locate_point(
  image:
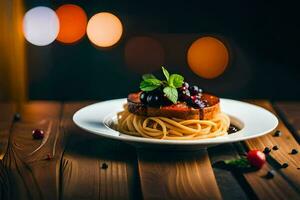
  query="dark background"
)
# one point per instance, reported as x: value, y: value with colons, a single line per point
x: 263, y: 39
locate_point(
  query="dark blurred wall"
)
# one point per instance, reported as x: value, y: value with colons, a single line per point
x: 263, y: 39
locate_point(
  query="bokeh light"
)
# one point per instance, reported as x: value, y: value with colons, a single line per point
x: 104, y: 29
x: 72, y: 21
x: 144, y: 54
x: 40, y: 26
x: 208, y: 57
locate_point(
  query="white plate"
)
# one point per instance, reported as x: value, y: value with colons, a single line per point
x: 254, y: 121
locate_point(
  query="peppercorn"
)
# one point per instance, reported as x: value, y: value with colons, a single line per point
x: 275, y: 147
x: 284, y: 165
x: 104, y: 166
x: 270, y: 174
x: 17, y: 117
x: 267, y: 150
x: 277, y: 133
x: 294, y: 151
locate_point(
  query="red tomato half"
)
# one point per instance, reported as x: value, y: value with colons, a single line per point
x: 256, y: 158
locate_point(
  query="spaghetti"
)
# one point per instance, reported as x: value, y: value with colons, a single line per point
x: 172, y: 128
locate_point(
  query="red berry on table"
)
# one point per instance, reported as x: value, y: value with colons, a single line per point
x: 48, y: 157
x: 38, y: 134
x: 256, y: 158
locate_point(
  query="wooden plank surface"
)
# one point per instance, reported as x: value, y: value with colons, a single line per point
x: 177, y: 175
x: 286, y: 183
x: 264, y: 188
x: 290, y: 112
x: 255, y: 184
x: 5, y: 186
x: 30, y: 172
x: 7, y: 112
x: 232, y: 185
x: 94, y: 167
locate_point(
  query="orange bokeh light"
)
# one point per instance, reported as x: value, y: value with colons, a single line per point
x: 73, y: 21
x: 104, y: 29
x: 208, y: 57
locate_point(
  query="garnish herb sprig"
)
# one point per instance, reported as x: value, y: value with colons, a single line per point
x: 173, y: 81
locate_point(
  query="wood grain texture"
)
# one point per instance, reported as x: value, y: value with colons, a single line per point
x: 275, y: 188
x: 177, y: 175
x: 255, y: 184
x: 26, y: 172
x: 278, y: 187
x: 7, y: 111
x: 5, y: 187
x: 290, y: 112
x: 232, y: 185
x: 30, y: 172
x: 82, y: 174
x: 264, y: 188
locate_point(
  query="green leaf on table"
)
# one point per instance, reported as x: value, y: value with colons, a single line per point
x: 240, y: 162
x: 150, y: 84
x: 171, y: 94
x: 166, y: 73
x: 176, y: 80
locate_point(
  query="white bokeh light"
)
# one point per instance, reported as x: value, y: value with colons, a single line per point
x: 40, y: 26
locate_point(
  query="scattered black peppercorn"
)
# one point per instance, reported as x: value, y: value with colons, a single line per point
x: 17, y: 117
x: 275, y: 147
x: 277, y: 133
x: 284, y: 165
x: 267, y: 150
x: 270, y: 174
x: 104, y: 166
x: 294, y: 151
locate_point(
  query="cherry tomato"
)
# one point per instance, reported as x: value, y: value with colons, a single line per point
x: 38, y: 134
x: 256, y: 158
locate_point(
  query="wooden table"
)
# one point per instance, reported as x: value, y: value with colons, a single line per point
x: 72, y: 164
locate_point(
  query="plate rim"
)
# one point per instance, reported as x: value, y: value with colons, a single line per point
x: 203, y: 142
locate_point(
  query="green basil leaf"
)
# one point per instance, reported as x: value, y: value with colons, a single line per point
x: 166, y: 73
x: 153, y: 81
x: 171, y: 94
x: 240, y: 162
x: 150, y: 84
x: 176, y: 80
x: 148, y: 76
